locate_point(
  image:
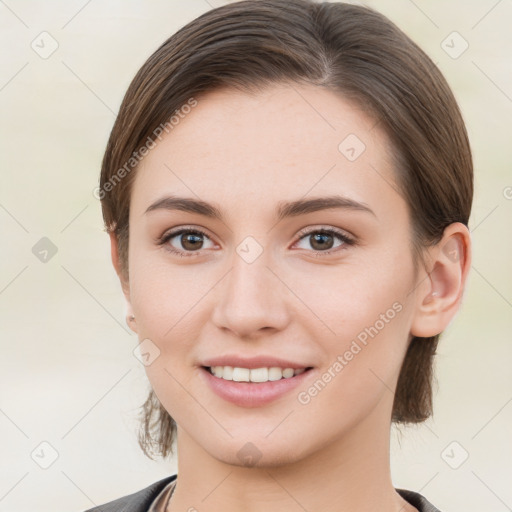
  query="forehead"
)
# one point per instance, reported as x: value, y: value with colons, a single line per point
x: 284, y: 142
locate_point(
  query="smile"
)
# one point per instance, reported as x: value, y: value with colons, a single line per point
x: 253, y: 387
x: 239, y: 374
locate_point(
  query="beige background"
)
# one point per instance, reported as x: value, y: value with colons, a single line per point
x: 67, y: 373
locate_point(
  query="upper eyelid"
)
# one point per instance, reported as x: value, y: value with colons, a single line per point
x: 320, y: 227
x: 171, y: 233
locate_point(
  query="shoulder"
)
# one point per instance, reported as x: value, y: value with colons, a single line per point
x: 136, y: 502
x: 417, y: 500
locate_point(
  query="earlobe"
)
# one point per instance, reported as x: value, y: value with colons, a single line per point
x: 440, y: 293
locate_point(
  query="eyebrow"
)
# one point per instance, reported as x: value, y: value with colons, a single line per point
x: 284, y: 210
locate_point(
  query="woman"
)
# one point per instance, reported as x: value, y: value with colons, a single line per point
x: 287, y: 189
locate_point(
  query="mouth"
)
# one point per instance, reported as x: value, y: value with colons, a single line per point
x: 254, y: 387
x: 254, y: 375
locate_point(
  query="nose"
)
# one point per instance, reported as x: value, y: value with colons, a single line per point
x: 252, y: 299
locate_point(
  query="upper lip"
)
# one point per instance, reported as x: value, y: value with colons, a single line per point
x: 253, y: 362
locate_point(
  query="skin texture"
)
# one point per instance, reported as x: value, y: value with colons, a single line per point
x: 246, y: 153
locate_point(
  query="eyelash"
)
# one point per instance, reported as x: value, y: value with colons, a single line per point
x: 347, y: 241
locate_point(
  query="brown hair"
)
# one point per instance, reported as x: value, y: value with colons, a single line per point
x: 346, y: 48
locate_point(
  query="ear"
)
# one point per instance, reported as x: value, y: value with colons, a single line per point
x: 124, y: 283
x: 439, y: 293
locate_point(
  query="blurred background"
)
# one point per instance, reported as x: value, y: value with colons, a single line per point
x: 70, y: 386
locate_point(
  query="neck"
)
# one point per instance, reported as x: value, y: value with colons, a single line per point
x: 351, y: 473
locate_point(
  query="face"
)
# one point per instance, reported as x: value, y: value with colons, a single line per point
x: 326, y: 289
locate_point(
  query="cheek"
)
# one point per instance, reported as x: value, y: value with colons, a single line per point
x: 166, y: 297
x: 368, y: 312
x: 350, y: 296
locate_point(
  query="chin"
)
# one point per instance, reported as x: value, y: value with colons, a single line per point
x: 257, y: 454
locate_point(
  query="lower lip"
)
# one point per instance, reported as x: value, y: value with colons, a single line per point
x: 252, y: 394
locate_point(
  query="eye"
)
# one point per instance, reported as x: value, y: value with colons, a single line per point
x: 322, y: 240
x: 190, y: 240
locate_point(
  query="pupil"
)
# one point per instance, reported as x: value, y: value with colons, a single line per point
x: 319, y: 237
x: 194, y: 240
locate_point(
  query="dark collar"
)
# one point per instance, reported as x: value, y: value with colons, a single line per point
x: 141, y: 500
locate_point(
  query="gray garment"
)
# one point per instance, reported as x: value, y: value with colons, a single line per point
x: 154, y: 498
x: 139, y: 501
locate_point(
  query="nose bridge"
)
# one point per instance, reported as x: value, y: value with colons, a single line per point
x: 251, y: 297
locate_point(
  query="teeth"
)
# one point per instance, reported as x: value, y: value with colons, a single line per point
x: 254, y: 374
